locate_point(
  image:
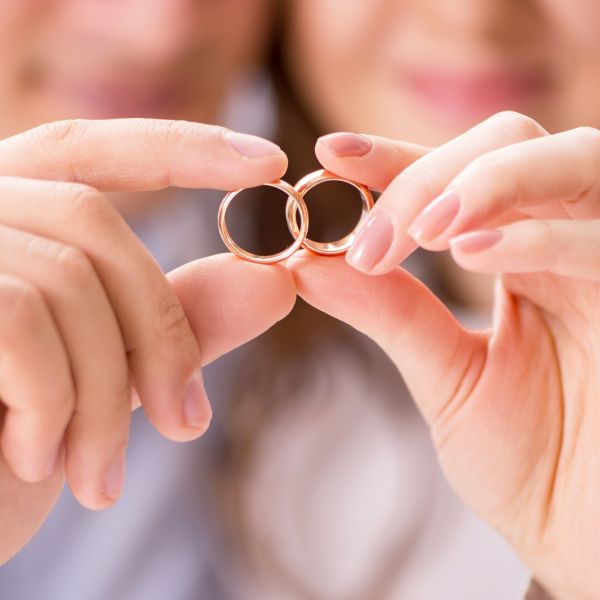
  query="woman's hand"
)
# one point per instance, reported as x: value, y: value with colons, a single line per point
x: 89, y: 325
x: 514, y: 412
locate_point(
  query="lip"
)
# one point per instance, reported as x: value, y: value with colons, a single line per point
x: 114, y: 98
x: 466, y: 96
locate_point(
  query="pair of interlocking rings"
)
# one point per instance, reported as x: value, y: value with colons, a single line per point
x: 296, y: 208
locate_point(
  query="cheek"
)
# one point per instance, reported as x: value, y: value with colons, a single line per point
x: 330, y: 38
x: 337, y: 22
x: 16, y: 22
x: 19, y: 32
x: 576, y: 20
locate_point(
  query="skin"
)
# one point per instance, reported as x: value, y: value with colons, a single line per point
x: 83, y: 305
x: 92, y: 289
x: 514, y: 411
x: 539, y: 57
x: 65, y: 58
x: 171, y: 60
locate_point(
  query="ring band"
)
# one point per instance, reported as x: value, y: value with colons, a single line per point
x: 298, y: 206
x: 307, y: 183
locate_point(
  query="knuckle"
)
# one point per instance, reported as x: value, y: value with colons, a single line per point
x: 178, y: 130
x: 522, y: 126
x: 541, y: 242
x: 61, y: 399
x: 486, y: 167
x: 175, y: 131
x: 59, y: 134
x: 23, y: 314
x: 74, y: 267
x: 163, y: 135
x: 84, y: 208
x: 23, y: 307
x: 59, y: 190
x: 540, y: 235
x: 112, y: 412
x: 171, y: 320
x: 89, y: 206
x: 67, y: 265
x: 418, y: 177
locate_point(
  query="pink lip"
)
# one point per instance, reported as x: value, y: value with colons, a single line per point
x: 117, y: 98
x: 468, y: 96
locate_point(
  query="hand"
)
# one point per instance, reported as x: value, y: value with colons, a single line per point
x: 515, y: 411
x: 89, y: 323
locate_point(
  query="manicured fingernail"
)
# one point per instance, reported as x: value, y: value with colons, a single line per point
x: 196, y: 407
x: 53, y: 462
x: 476, y: 241
x: 251, y: 146
x: 113, y: 483
x: 435, y: 218
x: 347, y: 144
x: 372, y: 243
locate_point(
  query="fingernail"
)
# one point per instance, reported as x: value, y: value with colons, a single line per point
x: 371, y: 243
x: 113, y: 483
x: 347, y: 144
x: 53, y: 462
x: 251, y: 146
x: 436, y: 217
x: 196, y: 407
x: 476, y: 241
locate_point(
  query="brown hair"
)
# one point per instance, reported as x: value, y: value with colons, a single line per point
x: 288, y: 353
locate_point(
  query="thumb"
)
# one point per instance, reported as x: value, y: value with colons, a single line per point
x: 439, y: 359
x: 229, y: 301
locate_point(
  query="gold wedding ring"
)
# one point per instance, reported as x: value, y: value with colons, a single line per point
x: 299, y: 207
x: 296, y: 210
x: 304, y: 186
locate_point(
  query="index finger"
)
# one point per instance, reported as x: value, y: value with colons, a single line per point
x: 383, y: 242
x: 141, y: 155
x: 374, y: 161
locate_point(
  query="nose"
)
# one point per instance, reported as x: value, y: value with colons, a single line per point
x: 499, y: 18
x: 469, y: 15
x: 149, y: 31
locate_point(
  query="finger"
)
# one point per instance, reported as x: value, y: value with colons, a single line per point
x: 372, y: 160
x: 383, y: 242
x: 563, y: 247
x: 229, y: 301
x: 98, y: 430
x: 141, y: 154
x: 35, y: 381
x: 162, y: 352
x: 517, y: 177
x: 437, y: 357
x: 24, y: 506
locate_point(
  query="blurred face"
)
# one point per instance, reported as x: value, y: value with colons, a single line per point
x: 425, y: 70
x: 116, y: 58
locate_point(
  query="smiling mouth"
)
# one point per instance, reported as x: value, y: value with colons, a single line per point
x: 476, y: 95
x: 119, y: 98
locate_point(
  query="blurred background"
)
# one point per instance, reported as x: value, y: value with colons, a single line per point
x: 318, y: 479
